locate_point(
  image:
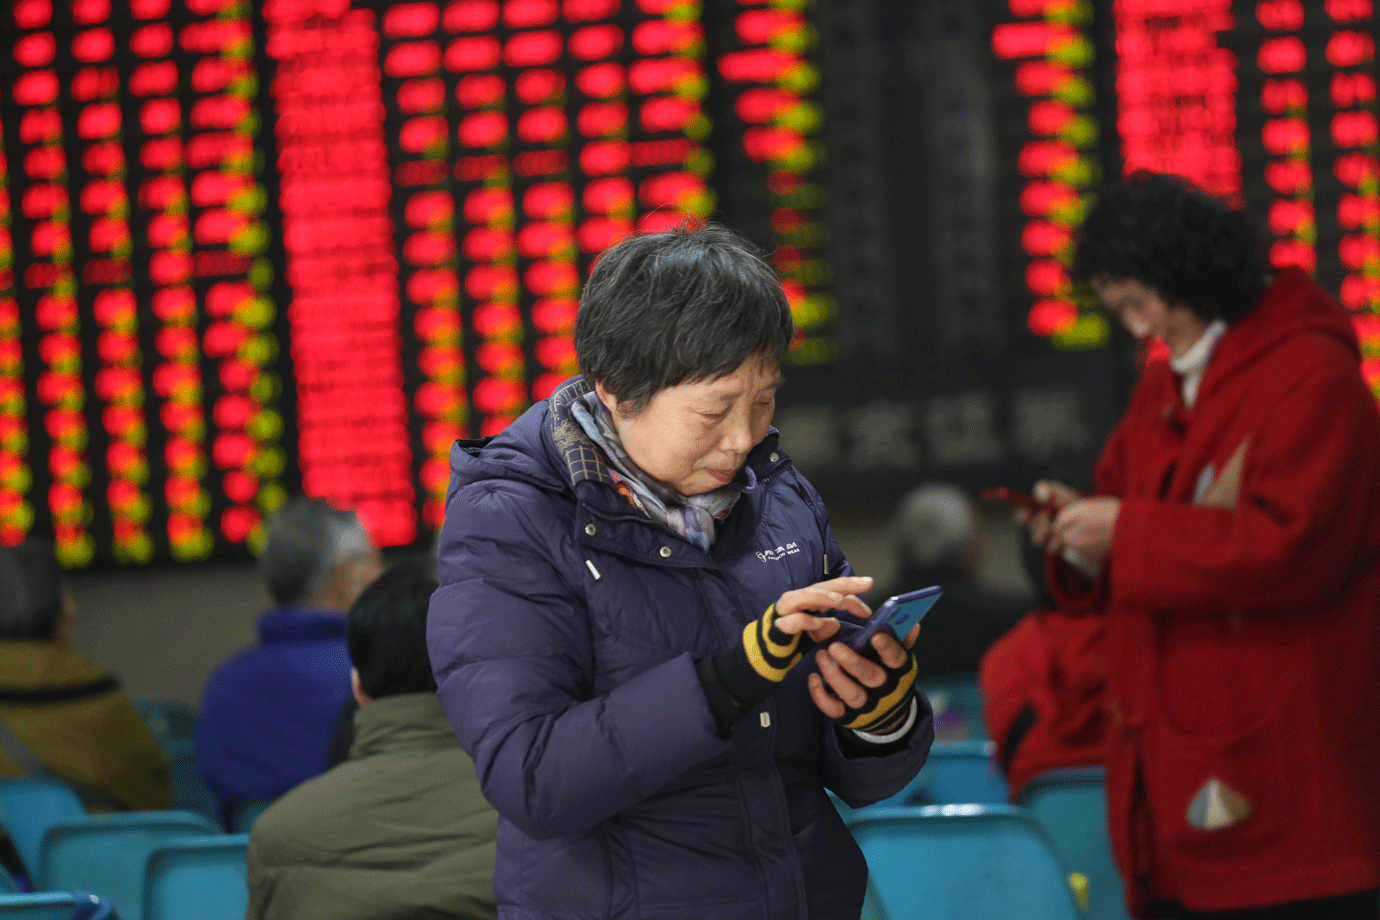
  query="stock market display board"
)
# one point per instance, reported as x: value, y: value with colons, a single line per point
x: 254, y: 246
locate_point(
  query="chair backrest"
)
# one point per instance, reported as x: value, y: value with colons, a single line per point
x: 197, y: 879
x: 7, y: 882
x: 957, y: 704
x: 963, y: 862
x: 246, y: 811
x: 1072, y: 806
x: 190, y: 792
x: 168, y: 718
x: 958, y: 773
x: 29, y: 805
x: 53, y: 905
x: 107, y: 854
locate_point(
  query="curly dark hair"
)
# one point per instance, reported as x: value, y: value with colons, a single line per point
x: 1175, y: 238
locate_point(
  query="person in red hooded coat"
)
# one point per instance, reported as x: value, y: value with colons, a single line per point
x: 1233, y: 545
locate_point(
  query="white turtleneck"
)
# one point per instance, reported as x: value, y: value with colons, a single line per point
x: 1191, y: 364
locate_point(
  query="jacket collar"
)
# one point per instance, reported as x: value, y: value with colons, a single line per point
x: 300, y: 624
x: 407, y: 720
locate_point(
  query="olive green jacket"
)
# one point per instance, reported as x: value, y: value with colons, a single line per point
x: 72, y: 715
x: 399, y: 830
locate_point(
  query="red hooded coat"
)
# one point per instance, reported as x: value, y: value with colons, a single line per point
x: 1243, y: 614
x: 1042, y: 694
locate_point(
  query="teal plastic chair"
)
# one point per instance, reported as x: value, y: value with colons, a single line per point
x: 197, y: 879
x: 1072, y: 806
x: 957, y: 705
x: 247, y: 811
x: 7, y: 882
x: 958, y: 773
x: 964, y: 862
x: 52, y: 905
x: 29, y: 805
x: 190, y: 792
x: 168, y: 719
x: 108, y: 854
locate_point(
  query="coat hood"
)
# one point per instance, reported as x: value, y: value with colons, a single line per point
x: 1292, y: 305
x: 519, y: 452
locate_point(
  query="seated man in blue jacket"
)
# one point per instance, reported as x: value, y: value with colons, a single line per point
x: 267, y: 715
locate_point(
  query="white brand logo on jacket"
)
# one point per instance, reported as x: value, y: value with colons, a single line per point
x: 781, y: 552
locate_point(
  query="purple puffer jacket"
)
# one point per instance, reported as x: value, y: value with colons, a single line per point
x: 563, y: 638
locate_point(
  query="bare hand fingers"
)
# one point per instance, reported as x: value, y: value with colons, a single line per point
x: 854, y: 605
x: 843, y: 686
x: 824, y: 632
x: 793, y: 623
x: 890, y: 651
x: 846, y: 584
x: 825, y: 702
x: 834, y: 594
x: 909, y: 640
x: 868, y: 673
x: 1056, y: 492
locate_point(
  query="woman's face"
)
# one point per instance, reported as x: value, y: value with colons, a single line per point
x: 694, y: 437
x: 1145, y: 314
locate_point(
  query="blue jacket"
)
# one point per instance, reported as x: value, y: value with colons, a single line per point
x: 267, y: 715
x: 563, y: 639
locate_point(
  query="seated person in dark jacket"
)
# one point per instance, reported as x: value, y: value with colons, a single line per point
x: 68, y: 712
x: 939, y: 541
x: 268, y: 713
x: 400, y: 829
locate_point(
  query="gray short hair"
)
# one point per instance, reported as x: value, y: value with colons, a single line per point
x: 307, y: 538
x: 30, y: 591
x: 936, y: 524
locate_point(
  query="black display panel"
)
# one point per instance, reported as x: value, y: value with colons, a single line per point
x: 248, y: 248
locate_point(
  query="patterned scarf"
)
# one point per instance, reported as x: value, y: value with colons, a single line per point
x: 693, y: 517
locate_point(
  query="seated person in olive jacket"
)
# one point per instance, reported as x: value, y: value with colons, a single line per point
x: 400, y: 829
x: 68, y: 713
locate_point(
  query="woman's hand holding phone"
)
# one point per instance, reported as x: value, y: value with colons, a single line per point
x: 843, y: 673
x: 846, y: 675
x: 792, y: 609
x: 1064, y: 522
x: 1054, y: 497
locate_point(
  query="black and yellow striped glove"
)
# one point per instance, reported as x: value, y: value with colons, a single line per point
x: 738, y: 680
x: 885, y: 703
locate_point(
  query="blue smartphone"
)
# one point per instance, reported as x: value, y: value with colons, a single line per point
x: 898, y: 614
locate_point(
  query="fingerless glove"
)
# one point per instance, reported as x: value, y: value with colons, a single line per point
x: 736, y: 681
x: 886, y: 702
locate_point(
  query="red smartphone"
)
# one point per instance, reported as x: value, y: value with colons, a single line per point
x: 1028, y: 502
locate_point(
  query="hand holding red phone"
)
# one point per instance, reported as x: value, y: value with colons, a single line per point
x: 1050, y: 498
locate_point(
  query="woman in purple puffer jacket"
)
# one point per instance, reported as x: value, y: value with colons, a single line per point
x: 634, y: 635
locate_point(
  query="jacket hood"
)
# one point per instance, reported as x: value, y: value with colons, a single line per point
x: 518, y: 452
x: 1292, y: 305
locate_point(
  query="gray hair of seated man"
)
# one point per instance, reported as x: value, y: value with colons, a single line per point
x: 937, y: 526
x: 30, y: 591
x: 307, y: 539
